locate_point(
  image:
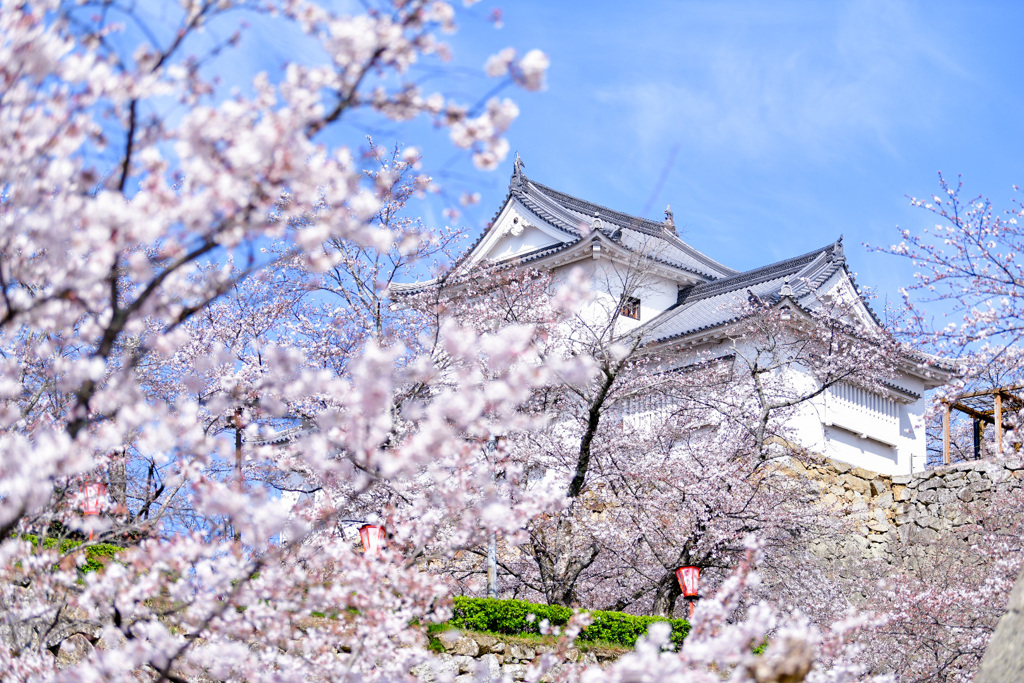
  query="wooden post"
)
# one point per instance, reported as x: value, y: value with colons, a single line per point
x: 999, y: 425
x: 945, y: 434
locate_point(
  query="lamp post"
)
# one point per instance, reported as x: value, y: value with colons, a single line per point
x: 492, y: 566
x: 689, y: 578
x: 372, y: 536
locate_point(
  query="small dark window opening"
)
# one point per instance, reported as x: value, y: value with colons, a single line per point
x: 630, y: 307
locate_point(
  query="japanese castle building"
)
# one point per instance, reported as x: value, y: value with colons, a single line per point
x: 690, y: 301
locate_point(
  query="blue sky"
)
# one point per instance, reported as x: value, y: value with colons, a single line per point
x: 771, y: 127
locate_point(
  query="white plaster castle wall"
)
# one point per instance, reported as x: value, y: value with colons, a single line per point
x: 529, y: 239
x: 860, y: 450
x: 880, y: 434
x: 608, y: 280
x: 806, y: 425
x: 912, y: 436
x: 860, y: 428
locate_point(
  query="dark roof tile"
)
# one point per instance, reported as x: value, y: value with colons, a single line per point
x: 720, y: 302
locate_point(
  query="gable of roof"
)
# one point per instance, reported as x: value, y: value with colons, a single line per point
x: 579, y: 217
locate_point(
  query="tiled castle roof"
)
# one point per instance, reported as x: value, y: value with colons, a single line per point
x: 720, y: 302
x: 721, y: 293
x: 577, y: 216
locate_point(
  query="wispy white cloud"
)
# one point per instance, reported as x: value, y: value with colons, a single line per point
x: 804, y: 78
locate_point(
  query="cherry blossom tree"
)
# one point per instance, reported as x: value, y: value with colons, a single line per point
x: 965, y: 303
x: 939, y: 598
x: 706, y: 477
x: 726, y: 635
x: 969, y: 262
x: 583, y: 433
x: 140, y: 199
x: 664, y: 455
x: 159, y: 233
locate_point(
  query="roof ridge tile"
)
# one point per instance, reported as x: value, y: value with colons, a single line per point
x: 758, y: 275
x: 649, y: 226
x: 636, y: 223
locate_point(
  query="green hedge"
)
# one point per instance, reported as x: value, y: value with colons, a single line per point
x: 509, y: 617
x: 93, y: 553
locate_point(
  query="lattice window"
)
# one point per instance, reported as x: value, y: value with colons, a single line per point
x: 630, y: 307
x: 862, y: 412
x: 645, y: 412
x: 864, y: 400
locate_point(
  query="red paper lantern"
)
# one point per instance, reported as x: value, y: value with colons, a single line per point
x: 372, y: 537
x: 688, y: 578
x: 95, y: 493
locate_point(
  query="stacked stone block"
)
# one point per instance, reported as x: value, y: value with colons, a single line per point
x: 468, y: 656
x: 893, y: 514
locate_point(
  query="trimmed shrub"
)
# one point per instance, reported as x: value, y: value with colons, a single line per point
x: 94, y: 554
x: 510, y: 617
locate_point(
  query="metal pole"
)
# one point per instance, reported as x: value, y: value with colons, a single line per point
x: 238, y: 461
x: 492, y: 566
x: 238, y: 447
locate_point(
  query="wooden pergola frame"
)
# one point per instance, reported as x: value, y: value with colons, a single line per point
x: 976, y: 405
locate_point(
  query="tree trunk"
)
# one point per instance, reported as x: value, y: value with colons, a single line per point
x: 594, y: 412
x: 560, y: 561
x: 117, y: 478
x: 665, y: 595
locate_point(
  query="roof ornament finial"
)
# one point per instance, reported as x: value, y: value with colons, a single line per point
x: 597, y: 223
x: 670, y: 220
x: 518, y: 177
x: 837, y: 251
x: 786, y: 289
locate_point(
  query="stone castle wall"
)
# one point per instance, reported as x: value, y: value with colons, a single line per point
x: 893, y: 514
